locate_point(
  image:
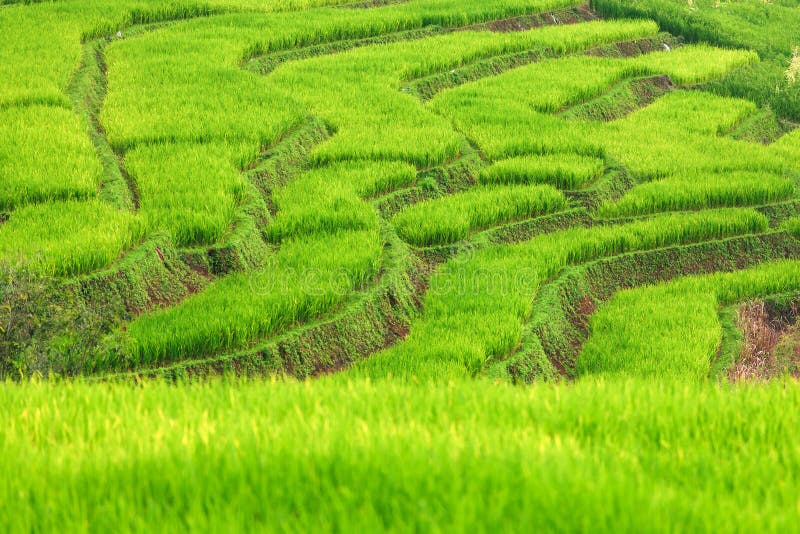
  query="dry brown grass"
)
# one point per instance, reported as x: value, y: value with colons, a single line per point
x: 771, y: 345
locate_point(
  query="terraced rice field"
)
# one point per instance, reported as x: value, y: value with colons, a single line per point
x: 422, y: 265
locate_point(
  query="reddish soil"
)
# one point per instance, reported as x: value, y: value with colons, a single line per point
x: 584, y: 311
x: 373, y: 3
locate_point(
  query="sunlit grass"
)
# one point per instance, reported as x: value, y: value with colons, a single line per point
x: 676, y: 332
x: 45, y: 155
x: 702, y: 191
x: 68, y: 238
x: 476, y: 305
x: 626, y: 456
x: 567, y: 171
x: 450, y: 219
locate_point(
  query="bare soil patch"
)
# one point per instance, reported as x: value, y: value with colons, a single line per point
x: 771, y: 343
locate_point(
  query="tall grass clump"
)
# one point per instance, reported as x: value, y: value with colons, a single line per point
x: 764, y: 83
x: 68, y: 238
x: 375, y: 120
x: 216, y: 99
x: 695, y: 64
x: 53, y: 33
x: 452, y: 218
x: 153, y: 97
x: 565, y: 171
x: 45, y: 155
x: 788, y: 146
x: 330, y: 199
x: 702, y: 191
x: 686, y: 131
x: 39, y: 71
x: 190, y: 190
x: 494, y: 112
x: 769, y: 28
x: 792, y: 226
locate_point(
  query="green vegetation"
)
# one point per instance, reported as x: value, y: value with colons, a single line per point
x: 44, y: 156
x: 192, y: 191
x: 768, y: 27
x: 625, y: 455
x: 309, y: 276
x: 701, y: 191
x: 493, y: 111
x: 68, y: 238
x: 476, y: 306
x: 793, y: 226
x: 53, y: 33
x: 451, y: 219
x: 566, y: 171
x: 677, y: 331
x: 375, y: 120
x: 186, y: 104
x: 316, y: 203
x: 434, y: 199
x: 329, y: 199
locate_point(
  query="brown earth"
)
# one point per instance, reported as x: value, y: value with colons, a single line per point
x: 771, y: 345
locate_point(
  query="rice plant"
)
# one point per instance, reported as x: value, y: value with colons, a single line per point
x: 45, y: 156
x: 186, y: 331
x: 702, y: 191
x: 330, y: 199
x: 788, y: 146
x: 450, y: 219
x: 406, y: 456
x: 306, y: 278
x: 420, y: 443
x: 565, y: 171
x: 477, y: 305
x: 685, y: 131
x: 209, y: 102
x: 39, y: 72
x: 677, y: 331
x: 215, y: 99
x: 68, y: 238
x: 375, y: 120
x: 191, y: 191
x: 694, y: 64
x: 770, y: 28
x: 512, y: 114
